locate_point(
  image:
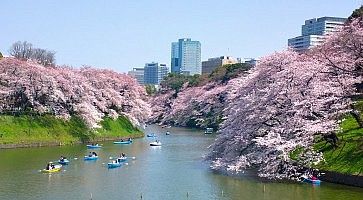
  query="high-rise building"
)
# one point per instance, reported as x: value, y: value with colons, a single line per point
x: 175, y: 64
x: 186, y: 57
x: 138, y: 73
x: 212, y: 63
x: 314, y: 31
x: 154, y: 73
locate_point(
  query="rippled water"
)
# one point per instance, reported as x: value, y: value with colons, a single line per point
x: 173, y: 171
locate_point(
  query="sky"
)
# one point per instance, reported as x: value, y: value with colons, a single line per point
x: 122, y: 34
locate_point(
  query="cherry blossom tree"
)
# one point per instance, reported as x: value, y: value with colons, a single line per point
x: 64, y: 91
x: 285, y: 102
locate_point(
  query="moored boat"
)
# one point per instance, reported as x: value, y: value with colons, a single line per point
x: 208, y: 131
x: 309, y: 180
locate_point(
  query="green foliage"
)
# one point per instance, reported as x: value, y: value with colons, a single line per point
x: 1, y: 55
x: 227, y: 72
x: 347, y: 158
x: 356, y: 13
x: 150, y: 89
x: 294, y: 155
x: 359, y: 106
x: 191, y: 123
x: 176, y: 81
x: 223, y: 73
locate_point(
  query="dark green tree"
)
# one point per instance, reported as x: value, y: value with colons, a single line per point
x: 150, y: 89
x: 357, y: 13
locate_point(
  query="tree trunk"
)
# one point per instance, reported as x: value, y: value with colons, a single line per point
x: 357, y: 117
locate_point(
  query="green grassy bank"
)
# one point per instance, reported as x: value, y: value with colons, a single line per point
x: 347, y: 157
x: 47, y: 129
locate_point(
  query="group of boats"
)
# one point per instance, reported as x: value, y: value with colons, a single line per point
x: 117, y: 162
x: 157, y: 142
x: 51, y: 167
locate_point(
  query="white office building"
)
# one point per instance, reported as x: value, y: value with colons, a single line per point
x: 314, y: 32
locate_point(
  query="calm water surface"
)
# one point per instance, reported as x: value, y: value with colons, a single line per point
x: 173, y: 171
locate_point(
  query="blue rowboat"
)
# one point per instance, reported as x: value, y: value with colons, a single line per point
x: 63, y: 162
x: 93, y: 146
x: 123, y: 142
x: 90, y: 157
x: 151, y: 135
x: 315, y: 182
x: 114, y: 165
x: 122, y: 159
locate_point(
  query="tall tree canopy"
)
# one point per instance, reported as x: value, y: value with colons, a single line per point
x: 285, y: 102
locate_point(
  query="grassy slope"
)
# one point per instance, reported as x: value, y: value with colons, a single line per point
x: 48, y: 129
x: 120, y: 127
x: 347, y: 158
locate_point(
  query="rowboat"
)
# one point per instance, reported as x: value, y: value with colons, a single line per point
x: 208, y: 131
x: 63, y: 162
x: 93, y: 146
x: 151, y: 135
x: 113, y: 164
x: 155, y: 144
x: 121, y: 159
x: 123, y: 142
x: 309, y: 180
x: 56, y: 168
x: 90, y: 157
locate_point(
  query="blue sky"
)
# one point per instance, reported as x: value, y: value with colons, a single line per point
x: 127, y: 33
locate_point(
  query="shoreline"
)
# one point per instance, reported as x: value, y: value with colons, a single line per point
x: 344, y: 179
x: 53, y: 144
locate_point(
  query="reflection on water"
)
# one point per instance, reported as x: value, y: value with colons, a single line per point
x: 172, y: 171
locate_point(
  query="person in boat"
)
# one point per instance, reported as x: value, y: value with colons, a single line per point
x: 50, y: 166
x: 122, y: 155
x: 62, y: 158
x: 94, y: 154
x: 90, y: 154
x: 122, y: 140
x: 314, y: 175
x: 129, y: 139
